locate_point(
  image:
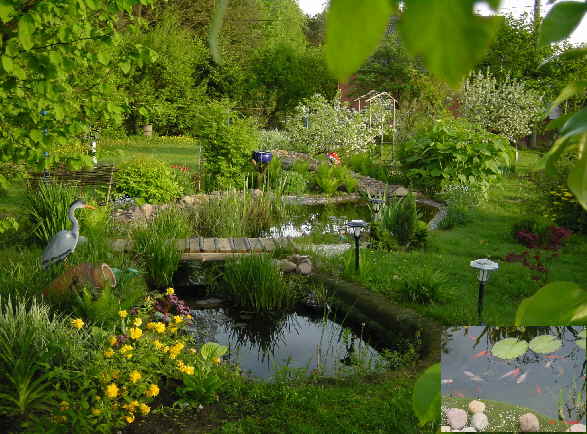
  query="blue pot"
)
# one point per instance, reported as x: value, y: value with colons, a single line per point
x: 262, y: 157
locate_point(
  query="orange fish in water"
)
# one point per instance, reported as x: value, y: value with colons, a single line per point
x: 480, y: 354
x: 538, y: 389
x: 553, y: 357
x: 571, y: 422
x: 458, y: 395
x: 552, y: 422
x: 472, y: 337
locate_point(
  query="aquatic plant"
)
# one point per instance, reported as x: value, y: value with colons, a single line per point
x: 256, y: 282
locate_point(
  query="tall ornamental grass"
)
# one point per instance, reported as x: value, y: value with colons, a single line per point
x: 256, y: 283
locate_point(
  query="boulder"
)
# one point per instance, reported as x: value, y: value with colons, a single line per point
x: 457, y: 418
x: 287, y: 266
x: 529, y: 423
x: 578, y: 427
x: 298, y: 259
x: 75, y: 278
x: 147, y: 210
x: 304, y: 268
x: 479, y: 421
x: 476, y: 407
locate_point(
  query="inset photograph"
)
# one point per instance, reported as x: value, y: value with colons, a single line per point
x: 513, y: 379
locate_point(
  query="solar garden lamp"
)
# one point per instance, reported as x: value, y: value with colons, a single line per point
x: 485, y: 267
x: 355, y: 228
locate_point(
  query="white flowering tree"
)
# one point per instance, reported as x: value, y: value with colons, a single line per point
x: 508, y: 108
x: 319, y: 126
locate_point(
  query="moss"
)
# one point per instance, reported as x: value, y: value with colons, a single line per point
x: 504, y: 417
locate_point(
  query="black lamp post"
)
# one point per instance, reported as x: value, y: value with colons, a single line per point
x: 485, y: 267
x: 355, y: 228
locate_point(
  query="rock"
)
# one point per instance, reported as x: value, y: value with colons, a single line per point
x: 208, y: 303
x: 305, y: 268
x: 188, y: 200
x: 457, y: 418
x: 479, y: 421
x: 96, y: 276
x: 578, y: 427
x: 287, y: 266
x: 445, y: 428
x: 147, y: 210
x: 400, y: 191
x: 298, y: 259
x: 476, y: 407
x: 529, y: 423
x: 469, y: 429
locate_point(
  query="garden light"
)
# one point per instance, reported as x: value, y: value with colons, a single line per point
x: 377, y: 204
x: 485, y: 267
x: 355, y: 228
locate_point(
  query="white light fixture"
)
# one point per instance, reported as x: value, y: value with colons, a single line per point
x: 485, y: 267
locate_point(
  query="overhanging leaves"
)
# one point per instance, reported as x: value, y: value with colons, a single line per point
x: 561, y: 21
x: 577, y: 179
x: 215, y: 27
x: 353, y: 31
x: 426, y: 398
x: 558, y: 303
x: 25, y: 32
x: 448, y: 35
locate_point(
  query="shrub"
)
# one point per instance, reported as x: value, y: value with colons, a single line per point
x: 47, y: 209
x: 295, y: 182
x: 155, y: 243
x: 422, y: 286
x: 330, y: 179
x: 148, y: 179
x: 273, y: 140
x: 256, y: 282
x: 396, y: 222
x: 454, y: 151
x: 461, y: 200
x: 508, y: 108
x: 227, y: 143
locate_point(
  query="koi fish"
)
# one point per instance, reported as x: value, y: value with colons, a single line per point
x: 480, y: 354
x: 447, y: 381
x: 469, y: 374
x: 561, y: 371
x: 458, y: 395
x: 548, y: 364
x: 513, y: 372
x: 571, y: 422
x: 472, y: 337
x: 553, y: 357
x: 476, y: 378
x: 522, y: 377
x: 552, y: 422
x: 538, y: 389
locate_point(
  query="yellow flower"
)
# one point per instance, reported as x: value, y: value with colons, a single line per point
x: 130, y: 418
x: 96, y: 411
x: 189, y: 370
x: 159, y: 327
x: 178, y: 319
x: 109, y: 352
x: 126, y: 348
x: 128, y: 356
x: 77, y: 323
x: 137, y: 322
x: 216, y: 360
x: 153, y: 390
x: 135, y: 332
x: 145, y: 409
x: 172, y: 329
x: 135, y: 376
x: 165, y: 349
x: 113, y: 340
x: 157, y: 344
x: 64, y: 405
x: 112, y: 390
x: 131, y: 406
x: 170, y: 291
x: 188, y: 316
x: 122, y: 314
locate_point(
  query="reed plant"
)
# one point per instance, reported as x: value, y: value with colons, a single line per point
x: 155, y: 242
x: 396, y: 222
x: 255, y: 282
x: 47, y: 209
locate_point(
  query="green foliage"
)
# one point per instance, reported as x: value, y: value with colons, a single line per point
x: 504, y: 107
x: 148, y: 179
x: 256, y: 282
x: 561, y: 21
x: 56, y: 59
x: 295, y: 182
x: 101, y: 308
x: 509, y: 348
x: 8, y: 224
x: 330, y: 179
x: 273, y: 139
x: 454, y: 150
x: 227, y: 143
x: 461, y: 201
x: 155, y: 243
x: 423, y: 286
x: 396, y: 222
x: 426, y: 397
x: 560, y: 302
x: 47, y: 209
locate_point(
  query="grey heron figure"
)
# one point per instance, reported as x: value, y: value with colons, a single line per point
x: 64, y: 242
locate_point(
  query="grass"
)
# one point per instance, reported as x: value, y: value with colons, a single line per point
x: 488, y: 235
x: 504, y: 417
x: 183, y: 151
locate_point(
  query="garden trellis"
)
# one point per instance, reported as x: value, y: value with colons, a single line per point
x: 388, y: 103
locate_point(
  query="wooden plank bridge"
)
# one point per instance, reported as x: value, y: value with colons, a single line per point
x: 216, y: 249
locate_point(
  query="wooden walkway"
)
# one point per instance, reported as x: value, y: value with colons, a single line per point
x: 210, y: 249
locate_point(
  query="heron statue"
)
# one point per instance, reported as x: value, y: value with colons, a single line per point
x: 64, y: 242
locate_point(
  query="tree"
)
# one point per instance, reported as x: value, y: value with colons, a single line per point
x: 56, y: 58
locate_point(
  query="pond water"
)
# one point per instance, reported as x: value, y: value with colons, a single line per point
x: 261, y: 344
x: 551, y: 383
x: 330, y: 219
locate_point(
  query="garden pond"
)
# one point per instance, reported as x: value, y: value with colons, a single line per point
x: 330, y: 220
x: 542, y: 368
x: 306, y: 341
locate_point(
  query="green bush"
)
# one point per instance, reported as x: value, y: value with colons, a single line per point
x: 47, y: 209
x: 422, y: 286
x: 331, y: 179
x: 256, y: 282
x: 227, y: 143
x: 454, y: 151
x: 397, y: 224
x: 155, y: 243
x: 461, y: 200
x: 148, y: 179
x: 295, y: 182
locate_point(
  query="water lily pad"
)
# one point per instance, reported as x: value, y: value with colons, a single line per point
x: 583, y: 337
x: 509, y: 348
x: 583, y: 334
x: 545, y: 344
